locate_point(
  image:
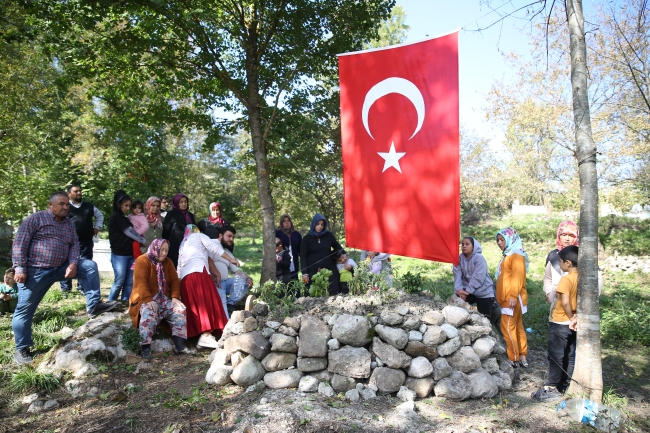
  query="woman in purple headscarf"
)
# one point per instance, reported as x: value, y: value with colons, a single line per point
x: 174, y: 225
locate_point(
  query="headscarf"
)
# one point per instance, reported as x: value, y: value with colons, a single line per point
x: 189, y: 229
x: 153, y: 253
x: 176, y: 206
x: 119, y: 197
x: 567, y: 227
x: 216, y: 221
x: 513, y: 246
x: 281, y: 225
x: 154, y: 220
x: 314, y: 221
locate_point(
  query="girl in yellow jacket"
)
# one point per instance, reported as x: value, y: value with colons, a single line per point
x: 512, y: 295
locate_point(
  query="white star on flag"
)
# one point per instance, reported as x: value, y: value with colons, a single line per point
x: 391, y: 159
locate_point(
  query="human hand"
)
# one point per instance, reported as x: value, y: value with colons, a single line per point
x: 71, y: 271
x: 154, y: 306
x: 512, y: 302
x: 249, y: 281
x: 20, y: 277
x: 462, y: 294
x: 217, y: 280
x: 95, y: 231
x: 177, y: 303
x: 548, y: 299
x: 573, y: 323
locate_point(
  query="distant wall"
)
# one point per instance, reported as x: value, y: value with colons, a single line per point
x: 518, y: 209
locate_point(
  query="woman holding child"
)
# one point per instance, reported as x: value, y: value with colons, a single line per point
x: 318, y: 250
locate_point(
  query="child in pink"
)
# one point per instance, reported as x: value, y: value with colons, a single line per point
x: 139, y: 221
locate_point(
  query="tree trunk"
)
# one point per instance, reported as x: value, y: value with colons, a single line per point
x: 587, y: 376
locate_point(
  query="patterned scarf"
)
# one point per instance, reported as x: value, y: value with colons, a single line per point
x: 513, y: 246
x: 154, y: 219
x: 567, y: 227
x: 176, y: 206
x: 153, y: 253
x: 216, y: 221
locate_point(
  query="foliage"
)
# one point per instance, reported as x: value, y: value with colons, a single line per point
x: 280, y: 297
x: 411, y: 282
x: 363, y: 280
x: 625, y: 236
x: 130, y: 338
x: 320, y: 283
x: 28, y: 379
x: 625, y: 317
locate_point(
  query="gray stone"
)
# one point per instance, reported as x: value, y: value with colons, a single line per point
x: 260, y: 309
x: 219, y: 357
x: 422, y: 328
x: 308, y: 365
x: 292, y: 322
x: 406, y: 394
x: 252, y: 343
x: 378, y: 362
x: 308, y: 384
x: 415, y: 349
x: 235, y: 328
x: 257, y: 387
x: 415, y: 336
x: 29, y: 399
x: 483, y: 385
x: 322, y: 375
x: 483, y: 347
x: 478, y: 319
x: 367, y: 393
x: 373, y: 365
x: 267, y: 332
x: 499, y: 348
x: 273, y: 325
x: 249, y: 371
x: 505, y: 366
x: 283, y: 343
x: 434, y: 336
x: 478, y: 331
x: 50, y: 404
x: 456, y: 386
x: 314, y: 335
x: 333, y: 344
x: 403, y: 310
x: 352, y: 330
x: 490, y: 365
x: 236, y: 358
x: 74, y: 388
x: 240, y: 316
x: 455, y: 316
x: 433, y: 318
x: 464, y: 359
x: 448, y: 347
x: 164, y: 345
x: 450, y: 331
x: 502, y: 380
x: 287, y: 331
x: 441, y: 368
x: 394, y: 336
x: 331, y: 320
x: 250, y: 324
x: 325, y: 389
x: 465, y: 338
x: 390, y: 356
x: 421, y: 387
x: 387, y: 380
x: 411, y: 323
x: 275, y: 361
x: 36, y: 407
x: 391, y: 318
x: 342, y: 383
x: 350, y: 361
x: 283, y: 379
x: 219, y: 375
x: 352, y: 395
x: 420, y: 367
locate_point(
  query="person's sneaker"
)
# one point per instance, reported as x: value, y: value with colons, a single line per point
x: 145, y: 351
x: 207, y: 341
x: 546, y: 393
x: 23, y: 356
x: 523, y: 362
x: 514, y: 364
x: 102, y: 307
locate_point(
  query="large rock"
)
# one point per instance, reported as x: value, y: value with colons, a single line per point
x: 448, y: 347
x: 464, y: 359
x: 343, y: 383
x: 353, y: 330
x: 450, y: 331
x: 490, y: 365
x: 314, y: 334
x: 456, y: 386
x: 390, y: 356
x: 219, y: 375
x: 483, y: 385
x: 387, y: 380
x: 283, y: 343
x: 441, y: 368
x: 287, y: 330
x: 308, y: 384
x: 434, y: 336
x: 240, y: 316
x: 283, y: 379
x: 252, y: 343
x: 422, y: 387
x: 420, y: 367
x: 292, y: 322
x: 391, y: 318
x: 433, y: 318
x: 483, y: 347
x: 249, y: 371
x: 415, y: 349
x: 325, y: 389
x: 406, y: 394
x: 350, y: 361
x: 250, y: 324
x: 308, y: 365
x: 219, y: 357
x: 502, y: 380
x: 236, y: 358
x: 455, y: 316
x: 352, y: 395
x: 394, y: 336
x: 275, y: 361
x: 478, y: 319
x: 477, y: 331
x: 411, y: 323
x: 465, y: 338
x: 415, y: 336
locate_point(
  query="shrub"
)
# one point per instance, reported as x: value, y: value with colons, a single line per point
x: 130, y: 338
x: 28, y: 379
x: 320, y: 283
x: 410, y: 282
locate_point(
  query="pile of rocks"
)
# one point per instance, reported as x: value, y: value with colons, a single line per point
x: 417, y: 351
x: 627, y: 264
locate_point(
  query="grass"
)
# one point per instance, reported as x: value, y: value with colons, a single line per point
x: 27, y: 379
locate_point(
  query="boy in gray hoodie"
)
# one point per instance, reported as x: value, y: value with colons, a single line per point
x: 472, y: 282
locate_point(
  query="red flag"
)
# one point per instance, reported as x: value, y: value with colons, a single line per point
x: 399, y: 128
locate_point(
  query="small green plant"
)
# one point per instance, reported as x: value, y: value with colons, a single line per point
x: 280, y: 297
x: 320, y: 283
x: 364, y: 279
x: 53, y: 296
x: 53, y: 324
x: 130, y: 338
x: 29, y: 379
x: 613, y: 400
x: 411, y: 282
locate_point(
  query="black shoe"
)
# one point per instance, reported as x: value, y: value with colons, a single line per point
x: 546, y: 393
x: 23, y: 356
x: 102, y: 307
x: 145, y: 351
x: 181, y: 348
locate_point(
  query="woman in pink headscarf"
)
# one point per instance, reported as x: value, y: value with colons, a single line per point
x: 211, y: 225
x: 174, y: 225
x: 567, y: 234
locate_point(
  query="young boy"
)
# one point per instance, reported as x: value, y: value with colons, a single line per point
x: 282, y: 263
x: 346, y: 266
x: 562, y: 330
x: 8, y: 293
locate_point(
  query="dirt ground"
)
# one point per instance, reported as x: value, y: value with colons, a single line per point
x: 172, y: 397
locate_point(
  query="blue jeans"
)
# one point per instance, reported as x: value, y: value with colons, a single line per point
x: 39, y: 280
x: 86, y: 252
x: 123, y: 279
x: 224, y: 290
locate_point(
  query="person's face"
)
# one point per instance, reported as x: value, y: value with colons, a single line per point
x: 75, y: 194
x: 343, y: 259
x: 278, y: 248
x: 163, y: 252
x: 565, y: 265
x: 154, y: 208
x: 467, y: 247
x: 182, y: 205
x: 163, y: 204
x: 9, y: 280
x: 215, y: 212
x: 137, y: 210
x: 286, y: 223
x: 229, y: 238
x: 60, y: 206
x: 501, y: 242
x: 371, y: 254
x: 567, y: 239
x: 320, y: 225
x: 125, y: 206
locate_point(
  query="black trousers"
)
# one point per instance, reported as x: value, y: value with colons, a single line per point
x: 484, y: 305
x: 86, y: 252
x: 561, y: 356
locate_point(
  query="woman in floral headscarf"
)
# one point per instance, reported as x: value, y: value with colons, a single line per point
x: 174, y: 225
x: 512, y: 295
x: 567, y: 234
x: 154, y: 219
x: 211, y: 224
x: 156, y: 295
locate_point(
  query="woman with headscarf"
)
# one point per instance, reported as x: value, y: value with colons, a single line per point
x: 291, y: 241
x: 205, y: 313
x: 567, y: 234
x: 174, y: 225
x: 211, y: 224
x: 472, y: 282
x: 512, y: 295
x: 154, y: 219
x: 319, y: 249
x: 157, y: 295
x: 121, y: 235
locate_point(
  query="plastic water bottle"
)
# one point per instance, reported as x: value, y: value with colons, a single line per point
x: 588, y: 412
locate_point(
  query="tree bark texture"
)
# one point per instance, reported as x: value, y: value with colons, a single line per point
x: 587, y: 376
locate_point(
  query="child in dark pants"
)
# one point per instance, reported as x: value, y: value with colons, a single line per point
x: 346, y: 266
x: 282, y: 263
x: 8, y: 293
x: 562, y: 330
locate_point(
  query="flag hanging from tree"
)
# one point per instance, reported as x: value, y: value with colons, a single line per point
x: 400, y: 140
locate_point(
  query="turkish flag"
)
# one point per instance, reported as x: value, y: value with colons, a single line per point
x: 400, y: 139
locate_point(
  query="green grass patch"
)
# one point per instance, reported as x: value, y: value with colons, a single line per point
x: 27, y: 379
x: 130, y: 338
